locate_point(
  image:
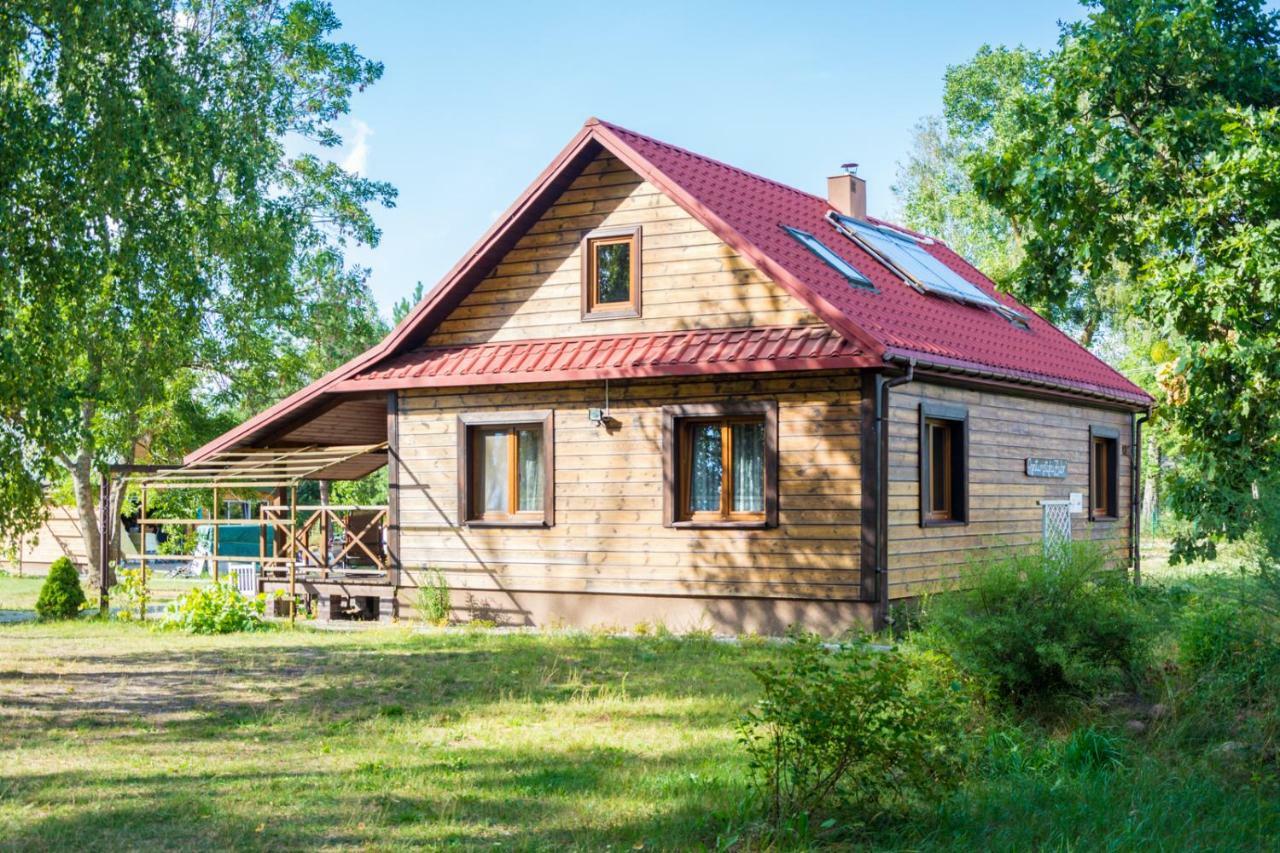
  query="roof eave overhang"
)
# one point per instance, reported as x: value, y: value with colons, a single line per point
x: 927, y: 366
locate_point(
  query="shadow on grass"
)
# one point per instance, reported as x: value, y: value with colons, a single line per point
x: 528, y: 799
x: 246, y: 729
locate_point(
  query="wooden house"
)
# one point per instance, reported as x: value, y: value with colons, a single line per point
x: 664, y: 389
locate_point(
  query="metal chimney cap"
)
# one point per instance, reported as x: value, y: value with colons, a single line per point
x: 849, y: 168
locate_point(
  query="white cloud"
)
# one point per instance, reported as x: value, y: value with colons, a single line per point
x: 358, y: 157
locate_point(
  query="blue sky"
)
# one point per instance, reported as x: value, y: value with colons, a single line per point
x: 478, y: 97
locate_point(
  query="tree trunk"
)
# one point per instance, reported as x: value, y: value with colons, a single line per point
x: 81, y: 470
x: 1151, y: 484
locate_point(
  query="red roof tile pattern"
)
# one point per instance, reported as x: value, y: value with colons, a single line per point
x: 699, y: 351
x: 904, y: 321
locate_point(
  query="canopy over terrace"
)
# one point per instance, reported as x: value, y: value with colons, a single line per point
x: 268, y: 468
x: 291, y: 526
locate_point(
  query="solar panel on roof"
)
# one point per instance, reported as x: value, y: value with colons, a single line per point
x: 904, y: 254
x: 839, y: 264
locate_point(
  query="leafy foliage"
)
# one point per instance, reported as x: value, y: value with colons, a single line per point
x: 433, y: 603
x: 851, y: 728
x: 169, y: 262
x: 217, y: 609
x: 130, y: 594
x: 61, y: 596
x: 1146, y: 147
x: 1039, y: 629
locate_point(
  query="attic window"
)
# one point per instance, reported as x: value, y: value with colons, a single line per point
x: 611, y: 274
x: 839, y: 264
x: 904, y: 255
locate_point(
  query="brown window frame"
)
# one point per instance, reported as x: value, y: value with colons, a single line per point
x: 471, y: 424
x: 676, y: 421
x: 591, y: 308
x: 1108, y: 438
x: 955, y: 419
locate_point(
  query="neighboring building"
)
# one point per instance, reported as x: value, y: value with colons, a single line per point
x: 651, y: 393
x: 59, y: 535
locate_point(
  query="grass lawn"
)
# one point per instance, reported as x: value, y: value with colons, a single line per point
x: 117, y: 737
x: 18, y: 594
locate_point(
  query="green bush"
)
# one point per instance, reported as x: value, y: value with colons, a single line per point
x: 217, y: 609
x: 61, y: 596
x: 852, y: 728
x: 130, y: 594
x: 1037, y: 629
x: 432, y: 603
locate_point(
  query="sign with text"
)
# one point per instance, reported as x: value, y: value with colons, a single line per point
x: 1040, y: 467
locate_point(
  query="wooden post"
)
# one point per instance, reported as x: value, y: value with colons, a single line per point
x: 391, y: 525
x: 215, y: 534
x: 262, y: 539
x: 142, y: 553
x: 104, y: 545
x: 326, y: 530
x: 293, y: 553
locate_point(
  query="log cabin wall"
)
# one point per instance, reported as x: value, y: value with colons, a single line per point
x: 1004, y: 512
x: 690, y: 279
x: 608, y: 559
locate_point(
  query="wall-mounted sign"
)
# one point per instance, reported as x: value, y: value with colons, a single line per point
x: 1077, y: 502
x: 1039, y: 467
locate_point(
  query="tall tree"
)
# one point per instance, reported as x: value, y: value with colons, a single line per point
x: 937, y: 192
x: 1150, y: 143
x: 157, y: 234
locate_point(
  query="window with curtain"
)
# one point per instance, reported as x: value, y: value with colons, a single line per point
x: 722, y: 469
x: 506, y: 472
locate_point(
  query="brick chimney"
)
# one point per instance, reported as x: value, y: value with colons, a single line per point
x: 847, y: 193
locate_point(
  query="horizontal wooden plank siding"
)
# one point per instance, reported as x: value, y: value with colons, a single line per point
x: 1004, y: 512
x: 608, y: 535
x: 690, y: 278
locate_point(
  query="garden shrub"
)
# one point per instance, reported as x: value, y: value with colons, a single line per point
x: 130, y: 594
x: 61, y: 596
x: 852, y: 728
x: 218, y: 608
x: 1037, y: 629
x: 432, y: 603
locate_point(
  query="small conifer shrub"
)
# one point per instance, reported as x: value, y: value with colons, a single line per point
x: 61, y: 596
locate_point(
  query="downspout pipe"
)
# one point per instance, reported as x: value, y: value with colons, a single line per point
x: 883, y: 386
x: 1135, y: 499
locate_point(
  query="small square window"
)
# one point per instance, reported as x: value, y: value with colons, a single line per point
x: 944, y: 465
x: 1104, y: 473
x: 611, y: 274
x: 721, y: 463
x: 505, y: 469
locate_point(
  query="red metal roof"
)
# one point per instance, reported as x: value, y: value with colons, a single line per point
x: 616, y: 356
x: 900, y: 319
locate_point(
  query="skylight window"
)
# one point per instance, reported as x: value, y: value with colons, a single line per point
x: 904, y: 255
x: 839, y: 264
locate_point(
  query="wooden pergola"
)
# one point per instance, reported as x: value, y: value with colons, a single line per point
x: 279, y: 470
